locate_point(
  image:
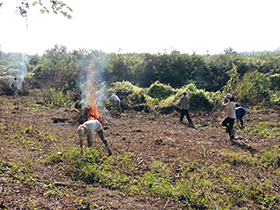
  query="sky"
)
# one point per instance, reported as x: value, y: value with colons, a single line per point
x: 144, y: 26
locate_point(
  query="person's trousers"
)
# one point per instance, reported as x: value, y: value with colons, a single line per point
x: 15, y: 93
x: 118, y: 105
x: 185, y: 112
x: 228, y: 123
x: 241, y: 121
x: 104, y: 140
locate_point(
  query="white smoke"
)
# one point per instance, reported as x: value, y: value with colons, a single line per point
x: 18, y: 69
x: 90, y: 81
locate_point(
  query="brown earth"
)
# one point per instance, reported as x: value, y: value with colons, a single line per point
x: 147, y: 136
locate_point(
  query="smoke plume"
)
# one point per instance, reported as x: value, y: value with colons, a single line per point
x: 19, y: 68
x: 91, y: 82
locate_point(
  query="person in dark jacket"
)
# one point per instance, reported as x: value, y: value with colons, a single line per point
x: 240, y: 112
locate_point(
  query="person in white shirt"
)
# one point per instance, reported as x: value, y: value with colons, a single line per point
x: 89, y: 127
x: 184, y: 108
x: 228, y: 122
x: 15, y: 87
x: 116, y: 103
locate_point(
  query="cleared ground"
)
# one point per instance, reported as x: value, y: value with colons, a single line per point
x: 147, y: 136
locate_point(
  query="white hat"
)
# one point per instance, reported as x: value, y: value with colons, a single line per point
x: 228, y: 96
x: 81, y: 132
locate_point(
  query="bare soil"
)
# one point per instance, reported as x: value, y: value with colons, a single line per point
x: 146, y: 135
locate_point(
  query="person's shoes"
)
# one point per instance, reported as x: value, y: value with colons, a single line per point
x: 191, y: 125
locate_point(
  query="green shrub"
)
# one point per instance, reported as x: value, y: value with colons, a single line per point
x: 56, y: 98
x: 275, y: 82
x: 137, y: 97
x: 124, y: 87
x: 199, y: 101
x: 254, y: 88
x: 275, y: 98
x: 160, y: 91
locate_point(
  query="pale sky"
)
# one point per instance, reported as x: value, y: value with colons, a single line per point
x: 153, y: 26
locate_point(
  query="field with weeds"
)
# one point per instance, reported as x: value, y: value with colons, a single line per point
x: 157, y: 162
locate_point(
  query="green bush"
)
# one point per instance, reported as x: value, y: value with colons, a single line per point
x: 199, y: 99
x: 124, y: 87
x: 275, y: 82
x: 275, y: 98
x: 160, y: 91
x: 137, y: 97
x: 56, y: 98
x: 254, y: 88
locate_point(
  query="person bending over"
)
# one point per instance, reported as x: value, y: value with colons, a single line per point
x: 240, y: 112
x: 116, y: 103
x: 89, y: 127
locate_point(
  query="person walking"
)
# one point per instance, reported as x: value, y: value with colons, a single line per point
x: 240, y: 112
x: 15, y: 87
x: 184, y: 108
x: 116, y: 103
x: 228, y: 122
x: 89, y: 127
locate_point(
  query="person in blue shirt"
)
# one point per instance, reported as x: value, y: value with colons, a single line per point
x: 240, y: 112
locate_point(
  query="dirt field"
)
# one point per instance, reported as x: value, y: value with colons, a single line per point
x: 147, y: 136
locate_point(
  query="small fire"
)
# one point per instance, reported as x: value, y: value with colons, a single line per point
x: 95, y: 114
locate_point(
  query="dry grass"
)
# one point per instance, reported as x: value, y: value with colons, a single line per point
x: 28, y: 136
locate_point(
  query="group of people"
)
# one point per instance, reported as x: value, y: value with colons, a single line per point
x: 233, y: 110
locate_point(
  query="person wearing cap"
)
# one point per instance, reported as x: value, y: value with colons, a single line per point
x: 240, y: 112
x: 184, y: 108
x: 89, y: 127
x: 228, y: 122
x: 116, y: 102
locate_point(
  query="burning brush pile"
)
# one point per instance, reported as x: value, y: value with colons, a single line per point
x: 92, y: 94
x: 89, y: 113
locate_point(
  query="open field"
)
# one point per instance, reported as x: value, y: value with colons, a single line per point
x: 157, y: 162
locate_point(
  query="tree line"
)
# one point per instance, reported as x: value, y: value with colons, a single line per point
x: 207, y: 72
